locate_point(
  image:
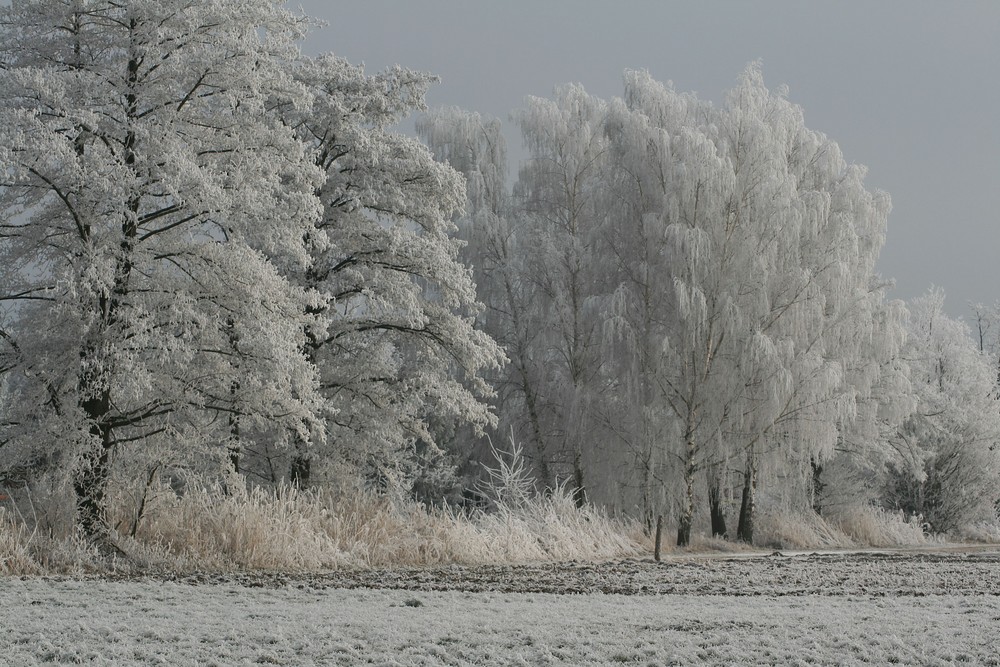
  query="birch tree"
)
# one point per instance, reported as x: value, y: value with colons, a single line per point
x: 708, y: 276
x: 825, y: 336
x: 640, y: 311
x: 558, y: 192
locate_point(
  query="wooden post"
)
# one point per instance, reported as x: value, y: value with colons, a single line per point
x: 659, y: 537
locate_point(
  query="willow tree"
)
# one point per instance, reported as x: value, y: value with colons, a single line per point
x: 149, y: 197
x: 833, y: 340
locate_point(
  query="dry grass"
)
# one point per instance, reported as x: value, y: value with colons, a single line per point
x: 985, y: 533
x: 850, y: 527
x: 16, y: 555
x: 875, y: 527
x: 287, y: 529
x: 292, y: 530
x: 788, y: 529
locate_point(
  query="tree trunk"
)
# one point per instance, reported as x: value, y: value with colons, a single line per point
x: 687, y: 512
x: 90, y: 484
x: 715, y: 503
x: 649, y: 507
x: 817, y: 486
x: 748, y: 507
x: 544, y: 473
x: 234, y: 458
x: 580, y: 489
x: 300, y: 470
x: 657, y: 543
x: 90, y: 480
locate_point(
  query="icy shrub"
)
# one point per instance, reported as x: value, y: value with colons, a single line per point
x: 551, y: 525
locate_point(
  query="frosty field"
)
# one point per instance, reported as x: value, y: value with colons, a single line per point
x: 834, y: 609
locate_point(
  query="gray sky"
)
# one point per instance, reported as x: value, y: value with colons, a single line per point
x: 910, y: 88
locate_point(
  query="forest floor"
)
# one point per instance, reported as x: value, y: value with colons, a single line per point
x: 926, y: 607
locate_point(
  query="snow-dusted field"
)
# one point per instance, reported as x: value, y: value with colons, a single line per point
x: 301, y: 621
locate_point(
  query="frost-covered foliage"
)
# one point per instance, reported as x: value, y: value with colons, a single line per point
x: 686, y: 293
x: 217, y: 257
x: 394, y: 340
x: 214, y: 251
x: 145, y: 189
x: 950, y: 471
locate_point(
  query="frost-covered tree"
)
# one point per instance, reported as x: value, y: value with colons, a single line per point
x: 540, y: 267
x: 499, y: 247
x: 150, y: 200
x: 746, y: 254
x: 985, y: 324
x: 640, y: 310
x: 704, y: 289
x: 214, y: 248
x: 685, y: 279
x: 949, y: 468
x: 558, y: 194
x: 829, y: 335
x: 394, y: 339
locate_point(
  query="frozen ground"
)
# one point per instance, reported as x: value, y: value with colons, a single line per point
x: 841, y: 609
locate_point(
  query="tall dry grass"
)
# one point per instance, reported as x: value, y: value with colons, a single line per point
x: 292, y: 530
x: 287, y: 529
x: 16, y: 554
x: 850, y: 527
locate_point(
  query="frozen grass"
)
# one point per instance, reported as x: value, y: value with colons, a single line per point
x: 849, y: 527
x: 292, y: 530
x: 876, y: 527
x: 295, y: 530
x: 287, y: 529
x: 985, y: 533
x: 165, y: 623
x: 15, y: 547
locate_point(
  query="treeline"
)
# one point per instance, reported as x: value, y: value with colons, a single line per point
x: 218, y: 260
x: 689, y: 300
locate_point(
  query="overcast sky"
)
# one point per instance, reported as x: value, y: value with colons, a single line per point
x: 909, y: 88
